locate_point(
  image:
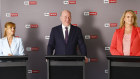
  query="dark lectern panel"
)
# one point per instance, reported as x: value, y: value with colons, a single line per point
x: 66, y: 72
x: 125, y: 73
x: 65, y: 58
x: 13, y: 72
x: 13, y: 58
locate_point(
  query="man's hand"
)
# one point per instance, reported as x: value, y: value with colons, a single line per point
x: 86, y: 60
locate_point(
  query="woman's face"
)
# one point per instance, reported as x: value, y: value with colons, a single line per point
x: 129, y: 18
x: 10, y: 31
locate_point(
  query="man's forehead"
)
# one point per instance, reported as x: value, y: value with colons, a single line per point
x: 66, y: 12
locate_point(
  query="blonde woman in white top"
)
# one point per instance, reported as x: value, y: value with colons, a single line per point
x: 10, y: 45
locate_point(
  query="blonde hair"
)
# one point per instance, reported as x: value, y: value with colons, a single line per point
x: 122, y: 23
x: 8, y: 24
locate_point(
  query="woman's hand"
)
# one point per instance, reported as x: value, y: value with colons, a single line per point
x: 10, y: 54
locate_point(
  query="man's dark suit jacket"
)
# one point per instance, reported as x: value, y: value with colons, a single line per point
x: 57, y: 42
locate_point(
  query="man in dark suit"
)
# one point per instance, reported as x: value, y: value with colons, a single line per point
x: 64, y: 38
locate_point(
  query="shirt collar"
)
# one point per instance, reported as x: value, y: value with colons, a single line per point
x: 65, y: 26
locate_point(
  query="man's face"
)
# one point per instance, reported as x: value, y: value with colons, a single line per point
x: 65, y: 18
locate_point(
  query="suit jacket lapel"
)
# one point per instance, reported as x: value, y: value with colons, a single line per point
x: 121, y: 34
x: 60, y: 31
x: 13, y: 45
x: 134, y: 33
x: 7, y: 45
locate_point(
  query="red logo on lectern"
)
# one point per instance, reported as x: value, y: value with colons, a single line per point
x: 11, y: 14
x: 50, y: 14
x: 30, y: 2
x: 69, y: 2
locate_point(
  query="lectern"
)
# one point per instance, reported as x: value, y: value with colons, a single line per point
x: 65, y: 67
x: 13, y: 67
x: 124, y: 67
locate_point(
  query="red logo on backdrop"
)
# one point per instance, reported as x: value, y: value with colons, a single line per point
x: 74, y: 24
x: 32, y: 48
x: 110, y: 1
x: 17, y: 36
x: 33, y: 71
x: 110, y: 24
x: 90, y: 13
x: 53, y: 14
x: 50, y: 14
x: 35, y: 49
x: 31, y: 26
x: 136, y: 12
x: 70, y: 2
x: 113, y: 24
x: 93, y: 60
x: 91, y: 36
x: 11, y: 14
x: 14, y: 14
x: 30, y: 2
